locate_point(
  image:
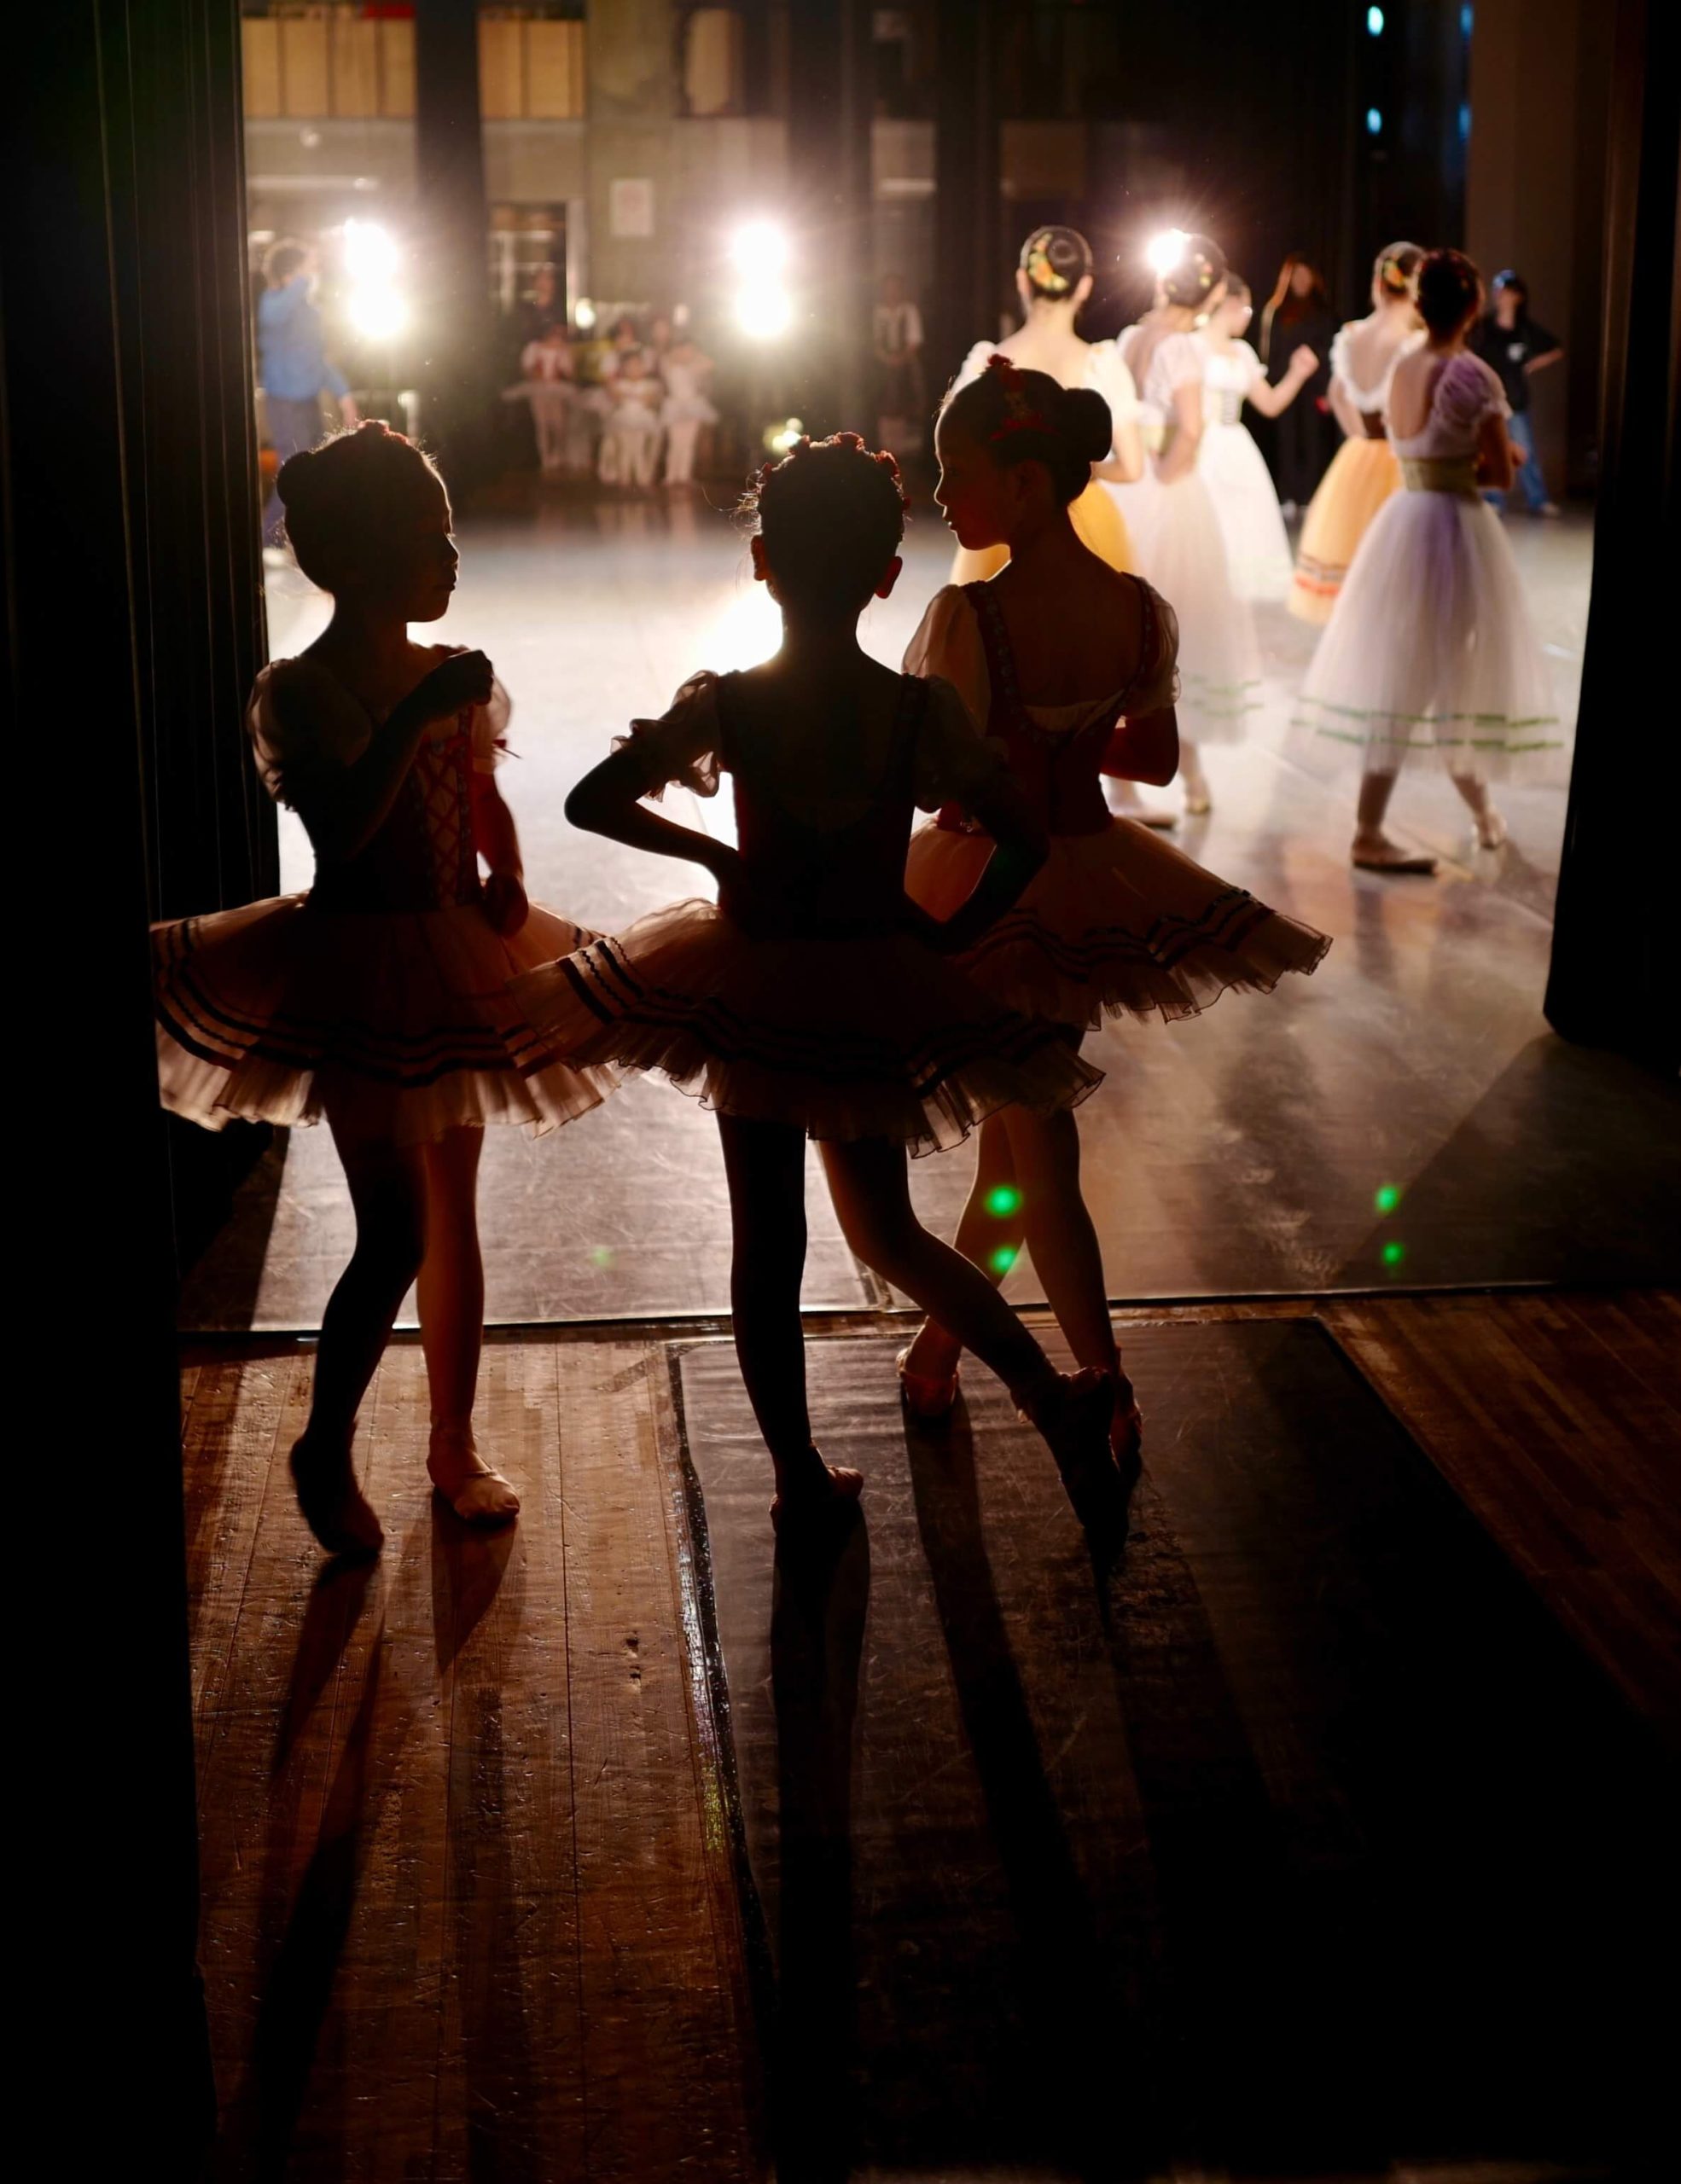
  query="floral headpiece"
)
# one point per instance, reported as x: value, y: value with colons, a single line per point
x: 1391, y: 277
x: 1037, y: 265
x: 1019, y: 416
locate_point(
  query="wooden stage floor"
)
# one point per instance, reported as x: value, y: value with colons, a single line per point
x: 1327, y: 1838
x: 1240, y: 1154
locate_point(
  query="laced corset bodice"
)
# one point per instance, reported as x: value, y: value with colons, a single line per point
x: 1059, y: 770
x: 824, y: 882
x: 421, y: 856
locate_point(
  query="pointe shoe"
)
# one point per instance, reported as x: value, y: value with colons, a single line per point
x: 926, y: 1396
x: 333, y: 1504
x: 478, y: 1494
x: 811, y: 1502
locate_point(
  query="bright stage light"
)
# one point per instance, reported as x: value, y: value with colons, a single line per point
x: 378, y: 314
x: 781, y: 440
x: 584, y: 313
x: 1373, y: 122
x: 1165, y: 250
x: 760, y: 248
x: 371, y: 253
x: 764, y: 313
x: 1374, y: 22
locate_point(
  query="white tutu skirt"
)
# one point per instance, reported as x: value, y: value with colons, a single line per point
x: 393, y: 1024
x: 870, y: 1036
x: 1246, y: 505
x: 1429, y: 656
x: 1177, y: 546
x: 1114, y: 924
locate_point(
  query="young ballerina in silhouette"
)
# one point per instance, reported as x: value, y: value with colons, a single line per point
x: 813, y: 999
x: 1072, y: 667
x: 379, y: 999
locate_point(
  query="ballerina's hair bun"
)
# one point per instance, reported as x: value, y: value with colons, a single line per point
x: 831, y: 513
x: 1450, y: 288
x: 1395, y: 269
x: 1021, y: 416
x: 1056, y: 260
x: 343, y: 499
x: 1198, y: 271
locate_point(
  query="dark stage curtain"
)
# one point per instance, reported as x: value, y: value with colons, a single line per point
x: 134, y: 628
x: 1614, y: 982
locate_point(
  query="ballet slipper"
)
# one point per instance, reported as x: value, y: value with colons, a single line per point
x: 1490, y: 830
x: 1073, y: 1413
x: 478, y: 1494
x: 814, y: 1500
x: 333, y: 1504
x: 1394, y: 859
x: 1126, y: 1427
x: 1198, y: 802
x: 927, y: 1397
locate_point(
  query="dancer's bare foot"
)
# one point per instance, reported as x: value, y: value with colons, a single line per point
x: 813, y: 1491
x: 1376, y: 852
x: 332, y: 1503
x: 478, y: 1494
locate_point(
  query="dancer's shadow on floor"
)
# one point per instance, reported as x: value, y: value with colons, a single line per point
x: 819, y: 1607
x: 1069, y: 2093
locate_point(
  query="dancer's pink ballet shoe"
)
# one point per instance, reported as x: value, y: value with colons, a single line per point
x: 820, y: 1495
x: 926, y: 1396
x: 478, y: 1494
x: 1490, y: 830
x: 333, y: 1504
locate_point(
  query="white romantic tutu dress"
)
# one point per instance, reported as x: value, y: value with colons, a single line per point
x: 379, y: 998
x: 1246, y: 501
x: 1179, y: 546
x: 1429, y: 654
x: 1116, y: 922
x: 815, y: 1001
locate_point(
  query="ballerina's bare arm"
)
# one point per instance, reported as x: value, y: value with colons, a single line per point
x: 1020, y: 847
x: 1146, y: 749
x: 1495, y: 467
x: 609, y: 801
x: 1180, y: 454
x: 342, y: 806
x: 1273, y: 401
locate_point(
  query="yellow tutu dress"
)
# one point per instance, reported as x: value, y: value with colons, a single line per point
x: 1362, y: 474
x: 1098, y: 524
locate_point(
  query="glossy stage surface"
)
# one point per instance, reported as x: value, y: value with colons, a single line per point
x: 1240, y: 1154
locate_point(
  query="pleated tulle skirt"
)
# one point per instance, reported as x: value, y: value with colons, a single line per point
x: 869, y: 1036
x: 1431, y: 657
x: 1257, y: 545
x: 1113, y: 924
x: 393, y: 1024
x: 1181, y: 551
x: 1362, y: 475
x: 1098, y: 524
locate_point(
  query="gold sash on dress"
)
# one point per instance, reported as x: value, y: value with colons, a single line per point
x: 1440, y: 473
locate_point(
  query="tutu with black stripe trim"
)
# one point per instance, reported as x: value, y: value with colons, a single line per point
x: 831, y: 1014
x: 862, y: 1035
x: 380, y: 998
x: 1116, y: 922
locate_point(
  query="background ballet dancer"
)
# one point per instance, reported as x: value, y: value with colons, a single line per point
x: 1258, y: 547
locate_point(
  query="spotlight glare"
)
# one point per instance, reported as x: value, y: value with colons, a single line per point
x: 1165, y: 250
x: 1374, y: 121
x: 371, y: 253
x: 1374, y: 22
x: 764, y: 313
x: 1002, y: 1200
x: 584, y: 312
x: 781, y: 439
x: 1394, y: 1253
x: 378, y: 314
x: 1386, y: 1197
x: 1003, y: 1259
x: 759, y: 248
